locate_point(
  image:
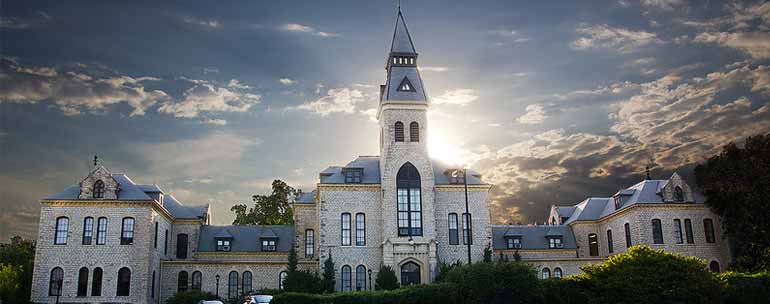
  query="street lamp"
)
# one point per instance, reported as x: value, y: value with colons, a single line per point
x: 467, y: 217
x: 370, y: 278
x: 59, y: 287
x: 217, y: 285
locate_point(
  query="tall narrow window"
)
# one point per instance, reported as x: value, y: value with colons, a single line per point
x: 627, y: 229
x: 101, y: 231
x: 155, y: 239
x: 688, y: 231
x: 152, y: 287
x: 593, y: 245
x: 360, y: 229
x: 83, y: 282
x: 62, y: 225
x: 165, y: 242
x: 98, y: 189
x: 309, y: 243
x: 409, y: 203
x: 246, y: 285
x: 96, y: 283
x: 196, y: 280
x: 124, y: 282
x: 708, y: 229
x: 281, y: 279
x: 55, y: 284
x: 657, y: 232
x: 181, y: 281
x: 610, y: 242
x: 88, y: 230
x: 678, y: 231
x: 678, y: 194
x: 127, y: 231
x: 181, y: 246
x: 232, y: 285
x: 360, y: 278
x: 345, y: 231
x: 414, y: 132
x: 546, y: 273
x: 453, y: 235
x: 467, y: 229
x: 346, y: 278
x: 399, y: 131
x: 557, y: 273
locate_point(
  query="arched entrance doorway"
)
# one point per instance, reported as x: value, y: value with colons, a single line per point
x: 410, y: 273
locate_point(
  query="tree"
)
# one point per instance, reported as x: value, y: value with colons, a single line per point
x: 190, y: 296
x: 20, y: 254
x: 328, y: 275
x: 273, y: 209
x: 643, y: 275
x: 386, y: 279
x: 305, y: 281
x: 504, y: 282
x: 292, y: 263
x: 9, y: 282
x: 487, y: 255
x: 736, y: 184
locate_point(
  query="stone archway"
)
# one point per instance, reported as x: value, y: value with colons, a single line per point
x: 410, y: 273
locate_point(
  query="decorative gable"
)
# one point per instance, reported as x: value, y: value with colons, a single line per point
x: 100, y: 181
x: 677, y: 191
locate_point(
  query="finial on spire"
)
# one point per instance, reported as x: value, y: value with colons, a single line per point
x: 96, y: 160
x: 647, y: 170
x: 399, y: 5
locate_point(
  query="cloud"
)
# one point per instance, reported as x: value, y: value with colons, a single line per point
x: 210, y: 70
x: 756, y: 44
x: 208, y: 23
x: 459, y: 97
x: 73, y: 91
x: 611, y: 38
x: 433, y: 69
x: 534, y: 115
x: 234, y: 83
x: 663, y: 4
x: 208, y: 98
x: 301, y: 28
x: 216, y: 122
x: 287, y: 81
x: 338, y: 100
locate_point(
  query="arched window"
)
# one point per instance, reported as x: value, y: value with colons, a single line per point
x: 124, y: 282
x: 232, y: 285
x: 546, y: 273
x: 678, y: 194
x: 101, y: 231
x: 96, y: 283
x: 453, y: 232
x: 83, y: 282
x: 181, y: 281
x: 309, y: 243
x: 88, y: 230
x: 414, y: 132
x: 409, y: 201
x: 657, y: 232
x: 181, y: 246
x: 246, y: 282
x: 281, y: 279
x: 627, y: 229
x: 98, y: 189
x: 557, y: 273
x: 593, y: 245
x: 127, y: 231
x: 346, y: 278
x: 714, y: 266
x: 345, y: 229
x: 60, y: 236
x: 399, y: 131
x: 360, y: 229
x: 196, y: 280
x: 360, y: 277
x: 708, y: 229
x: 610, y: 244
x: 410, y: 274
x: 55, y: 284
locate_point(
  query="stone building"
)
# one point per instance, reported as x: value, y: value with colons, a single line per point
x: 110, y: 240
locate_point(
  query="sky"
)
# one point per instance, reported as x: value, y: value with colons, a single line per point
x: 552, y: 102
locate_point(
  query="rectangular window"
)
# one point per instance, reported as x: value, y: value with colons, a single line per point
x: 409, y: 212
x: 345, y: 231
x: 268, y: 245
x: 688, y: 231
x: 223, y: 245
x: 101, y: 231
x: 453, y: 235
x: 610, y: 243
x: 593, y: 244
x: 678, y: 231
x: 127, y: 231
x: 360, y: 229
x: 657, y: 232
x: 309, y: 243
x: 62, y: 225
x: 165, y: 242
x: 513, y: 243
x: 155, y: 240
x: 353, y: 176
x: 403, y: 211
x: 467, y: 229
x: 555, y: 243
x: 708, y: 229
x: 88, y: 230
x: 627, y: 228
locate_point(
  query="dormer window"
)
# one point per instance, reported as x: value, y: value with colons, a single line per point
x: 555, y: 243
x: 353, y: 175
x: 268, y: 245
x: 98, y: 189
x: 616, y: 198
x: 405, y: 86
x: 223, y: 245
x: 456, y: 176
x: 513, y: 242
x: 678, y: 194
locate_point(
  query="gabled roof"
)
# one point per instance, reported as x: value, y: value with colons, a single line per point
x: 180, y: 211
x: 305, y: 197
x: 246, y: 238
x: 532, y: 237
x: 402, y: 41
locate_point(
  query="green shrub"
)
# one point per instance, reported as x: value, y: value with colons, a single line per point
x: 303, y: 281
x: 386, y: 279
x: 418, y: 294
x: 644, y: 275
x: 563, y: 291
x: 190, y: 296
x: 503, y: 282
x: 742, y: 288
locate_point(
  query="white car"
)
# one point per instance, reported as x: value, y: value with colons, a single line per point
x: 210, y: 302
x: 258, y: 299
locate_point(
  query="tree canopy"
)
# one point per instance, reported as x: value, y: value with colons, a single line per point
x: 273, y: 209
x: 18, y: 258
x: 736, y: 183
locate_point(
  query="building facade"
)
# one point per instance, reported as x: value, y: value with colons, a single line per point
x: 110, y: 240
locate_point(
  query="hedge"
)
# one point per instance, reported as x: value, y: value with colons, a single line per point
x: 742, y: 288
x: 443, y: 293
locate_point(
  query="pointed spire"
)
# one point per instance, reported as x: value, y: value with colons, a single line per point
x: 96, y: 160
x: 647, y: 170
x: 402, y: 41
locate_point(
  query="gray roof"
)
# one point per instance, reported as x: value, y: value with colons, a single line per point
x: 402, y: 41
x: 180, y: 211
x: 246, y: 238
x: 371, y: 166
x: 532, y: 237
x: 305, y: 197
x: 396, y: 74
x: 565, y: 211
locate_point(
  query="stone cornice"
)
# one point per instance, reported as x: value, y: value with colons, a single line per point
x: 570, y: 251
x: 231, y: 254
x: 640, y: 206
x: 109, y: 203
x: 358, y: 187
x: 471, y: 188
x: 210, y: 262
x: 313, y: 205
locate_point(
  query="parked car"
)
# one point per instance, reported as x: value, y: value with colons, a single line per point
x: 258, y: 299
x: 210, y: 302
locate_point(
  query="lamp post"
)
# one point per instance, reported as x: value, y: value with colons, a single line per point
x: 370, y: 278
x: 467, y: 217
x: 58, y: 291
x: 217, y: 277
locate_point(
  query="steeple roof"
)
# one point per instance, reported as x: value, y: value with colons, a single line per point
x: 403, y: 84
x: 402, y: 41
